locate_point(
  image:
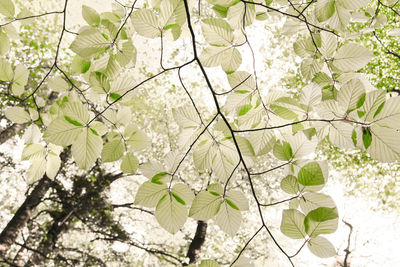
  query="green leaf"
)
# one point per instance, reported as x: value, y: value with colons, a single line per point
x: 217, y: 32
x: 311, y: 174
x: 244, y: 109
x: 352, y: 57
x: 129, y: 164
x: 170, y: 213
x: 86, y: 148
x: 149, y: 194
x: 79, y: 65
x: 311, y: 201
x: 112, y: 150
x: 237, y: 199
x: 379, y: 109
x: 7, y: 8
x: 183, y: 192
x: 292, y: 224
x: 6, y: 73
x: 73, y: 122
x: 17, y: 115
x: 367, y: 138
x: 323, y: 214
x: 321, y: 221
x: 205, y: 206
x: 290, y: 185
x: 229, y: 218
x: 321, y: 247
x: 145, y: 23
x: 90, y: 16
x: 159, y: 176
x: 324, y: 9
x: 283, y: 151
x: 220, y: 10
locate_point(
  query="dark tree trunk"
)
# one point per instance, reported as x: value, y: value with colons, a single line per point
x: 197, y: 242
x: 10, y: 131
x: 77, y: 205
x: 23, y: 214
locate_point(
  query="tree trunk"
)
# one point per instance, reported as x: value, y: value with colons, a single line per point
x: 197, y: 242
x: 23, y: 214
x: 10, y: 131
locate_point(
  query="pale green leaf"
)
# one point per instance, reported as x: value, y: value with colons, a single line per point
x: 186, y: 117
x: 238, y: 199
x: 129, y: 164
x: 328, y: 44
x: 324, y: 9
x: 36, y: 170
x: 209, y: 263
x: 137, y: 139
x: 290, y: 185
x: 7, y: 8
x: 146, y: 23
x: 90, y: 16
x: 90, y: 42
x: 112, y: 150
x: 261, y: 141
x: 353, y: 4
x: 236, y: 13
x: 321, y: 247
x: 340, y: 18
x: 170, y: 213
x: 292, y: 224
x: 32, y: 134
x: 80, y: 65
x: 4, y: 43
x: 33, y: 151
x: 205, y: 206
x: 243, y: 262
x: 52, y: 165
x: 21, y: 74
x: 172, y: 12
x: 150, y: 193
x: 6, y: 73
x: 183, y: 192
x: 311, y: 201
x: 228, y: 219
x: 225, y: 160
x: 217, y: 32
x: 203, y: 154
x: 86, y: 148
x: 58, y: 84
x: 352, y: 57
x: 385, y: 145
x: 17, y: 115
